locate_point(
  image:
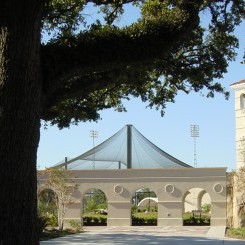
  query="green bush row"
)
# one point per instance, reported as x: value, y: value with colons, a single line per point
x: 42, y: 224
x: 137, y: 219
x: 94, y: 219
x: 136, y: 209
x: 189, y: 219
x: 144, y: 218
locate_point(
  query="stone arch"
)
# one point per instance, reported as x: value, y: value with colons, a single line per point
x: 46, y: 194
x: 193, y: 201
x: 47, y: 204
x: 42, y: 188
x: 94, y: 209
x: 193, y: 198
x: 144, y: 209
x: 203, y: 198
x: 183, y: 200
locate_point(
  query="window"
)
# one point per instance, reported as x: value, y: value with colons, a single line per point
x: 242, y: 101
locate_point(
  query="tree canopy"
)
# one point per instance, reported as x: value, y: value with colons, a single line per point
x: 87, y: 68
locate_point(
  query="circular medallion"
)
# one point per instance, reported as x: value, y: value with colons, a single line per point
x: 118, y: 189
x: 218, y: 188
x: 169, y: 188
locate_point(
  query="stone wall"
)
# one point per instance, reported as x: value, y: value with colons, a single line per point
x: 170, y: 185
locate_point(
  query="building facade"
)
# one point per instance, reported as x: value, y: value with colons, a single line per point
x: 237, y: 197
x: 239, y: 88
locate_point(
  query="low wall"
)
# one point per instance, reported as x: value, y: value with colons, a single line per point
x: 170, y: 185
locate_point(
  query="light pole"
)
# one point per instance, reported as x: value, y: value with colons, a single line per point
x: 194, y: 135
x: 93, y: 134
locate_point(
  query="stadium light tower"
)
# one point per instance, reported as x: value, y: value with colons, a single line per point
x: 93, y: 134
x: 194, y: 135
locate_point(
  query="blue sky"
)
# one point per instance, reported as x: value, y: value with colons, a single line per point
x: 215, y: 117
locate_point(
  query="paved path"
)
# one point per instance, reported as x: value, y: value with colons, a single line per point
x: 198, y: 235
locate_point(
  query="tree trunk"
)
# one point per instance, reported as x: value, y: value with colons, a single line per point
x: 20, y: 95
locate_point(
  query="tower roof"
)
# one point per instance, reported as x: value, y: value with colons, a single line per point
x: 238, y: 83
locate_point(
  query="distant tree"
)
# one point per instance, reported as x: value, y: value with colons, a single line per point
x: 94, y: 199
x: 100, y: 199
x: 58, y: 180
x: 85, y: 68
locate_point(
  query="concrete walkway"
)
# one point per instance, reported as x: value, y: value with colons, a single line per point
x: 140, y: 235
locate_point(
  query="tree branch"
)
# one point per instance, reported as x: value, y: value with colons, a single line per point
x: 110, y: 48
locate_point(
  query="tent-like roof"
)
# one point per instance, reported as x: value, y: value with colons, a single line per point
x: 128, y: 148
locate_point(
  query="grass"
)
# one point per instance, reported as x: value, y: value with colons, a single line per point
x: 54, y: 233
x: 238, y: 233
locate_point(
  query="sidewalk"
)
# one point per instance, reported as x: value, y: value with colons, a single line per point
x: 152, y: 235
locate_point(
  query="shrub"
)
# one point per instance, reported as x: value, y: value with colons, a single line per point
x: 133, y: 209
x: 190, y: 219
x: 206, y: 208
x: 236, y: 232
x: 103, y: 220
x: 87, y: 219
x: 42, y: 224
x: 144, y: 218
x: 75, y: 225
x: 52, y: 221
x: 94, y: 219
x: 102, y: 206
x: 152, y: 221
x: 90, y: 205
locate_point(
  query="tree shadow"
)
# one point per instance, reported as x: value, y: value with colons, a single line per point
x: 136, y: 239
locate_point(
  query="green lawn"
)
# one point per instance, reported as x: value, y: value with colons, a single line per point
x: 236, y: 233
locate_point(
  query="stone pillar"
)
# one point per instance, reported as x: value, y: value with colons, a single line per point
x: 119, y: 213
x: 230, y: 199
x: 218, y: 205
x: 170, y: 213
x: 218, y: 213
x: 73, y: 212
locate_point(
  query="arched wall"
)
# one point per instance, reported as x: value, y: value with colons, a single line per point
x: 85, y: 192
x: 194, y: 198
x: 43, y: 187
x: 170, y: 186
x: 203, y: 198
